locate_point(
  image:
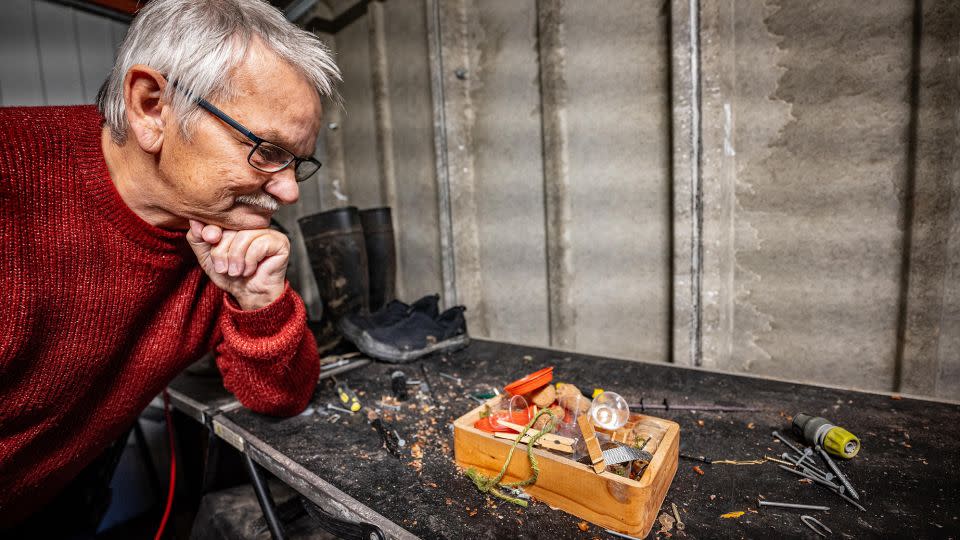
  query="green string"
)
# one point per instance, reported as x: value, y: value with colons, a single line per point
x: 489, y: 484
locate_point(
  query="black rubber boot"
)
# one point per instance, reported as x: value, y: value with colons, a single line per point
x: 338, y: 257
x: 381, y: 255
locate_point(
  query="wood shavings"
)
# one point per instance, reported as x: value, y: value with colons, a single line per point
x: 666, y: 522
x: 583, y: 526
x: 698, y: 470
x: 732, y: 515
x: 700, y: 423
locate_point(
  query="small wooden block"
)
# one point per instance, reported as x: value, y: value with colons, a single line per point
x: 540, y: 442
x: 559, y: 439
x: 593, y: 445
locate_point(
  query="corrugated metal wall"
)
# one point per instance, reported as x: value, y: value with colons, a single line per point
x: 770, y: 193
x: 53, y: 55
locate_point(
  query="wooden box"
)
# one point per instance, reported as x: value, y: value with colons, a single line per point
x: 606, y: 499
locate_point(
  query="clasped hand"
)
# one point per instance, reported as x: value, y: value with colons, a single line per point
x: 251, y: 265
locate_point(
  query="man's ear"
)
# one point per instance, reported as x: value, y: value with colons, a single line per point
x: 143, y: 89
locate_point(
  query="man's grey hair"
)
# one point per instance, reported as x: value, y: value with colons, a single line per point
x: 198, y: 43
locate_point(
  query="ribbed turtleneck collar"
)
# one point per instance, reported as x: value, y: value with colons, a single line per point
x: 103, y: 193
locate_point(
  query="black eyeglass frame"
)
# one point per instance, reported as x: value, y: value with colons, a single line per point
x: 294, y: 159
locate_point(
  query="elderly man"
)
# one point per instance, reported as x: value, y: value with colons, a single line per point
x: 135, y: 237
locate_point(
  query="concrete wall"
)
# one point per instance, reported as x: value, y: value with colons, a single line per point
x: 770, y: 193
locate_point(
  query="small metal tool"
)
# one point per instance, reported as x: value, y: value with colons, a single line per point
x: 335, y: 408
x: 813, y: 523
x: 401, y: 442
x: 347, y: 396
x: 676, y: 514
x: 457, y: 380
x: 843, y: 479
x: 793, y: 505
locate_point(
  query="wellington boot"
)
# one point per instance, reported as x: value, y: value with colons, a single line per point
x: 338, y: 256
x: 381, y: 255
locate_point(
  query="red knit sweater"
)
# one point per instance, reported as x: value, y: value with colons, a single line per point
x: 101, y: 310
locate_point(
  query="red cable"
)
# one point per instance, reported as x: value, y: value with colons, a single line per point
x: 173, y: 465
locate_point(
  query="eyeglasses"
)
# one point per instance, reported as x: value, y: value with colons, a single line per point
x: 265, y: 155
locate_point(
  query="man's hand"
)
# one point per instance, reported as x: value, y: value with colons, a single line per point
x: 251, y: 265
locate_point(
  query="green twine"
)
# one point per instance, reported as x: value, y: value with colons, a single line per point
x: 489, y: 484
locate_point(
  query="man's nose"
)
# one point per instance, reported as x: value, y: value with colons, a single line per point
x: 283, y: 186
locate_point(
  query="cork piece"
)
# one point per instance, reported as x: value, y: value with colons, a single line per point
x: 593, y: 445
x: 570, y: 398
x: 544, y: 397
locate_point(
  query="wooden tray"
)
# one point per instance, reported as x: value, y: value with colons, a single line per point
x: 606, y: 499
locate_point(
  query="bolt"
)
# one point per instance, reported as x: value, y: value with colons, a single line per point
x: 843, y: 479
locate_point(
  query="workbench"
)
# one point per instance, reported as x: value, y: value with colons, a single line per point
x: 907, y: 471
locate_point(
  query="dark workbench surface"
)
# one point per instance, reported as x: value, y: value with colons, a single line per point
x: 907, y: 472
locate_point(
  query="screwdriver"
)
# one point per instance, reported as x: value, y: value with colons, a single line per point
x: 347, y: 396
x: 821, y: 433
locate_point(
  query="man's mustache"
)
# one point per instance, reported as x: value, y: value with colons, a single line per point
x: 261, y: 199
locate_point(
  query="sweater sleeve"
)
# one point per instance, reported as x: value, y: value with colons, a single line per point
x: 267, y: 356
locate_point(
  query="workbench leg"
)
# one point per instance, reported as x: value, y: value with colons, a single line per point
x: 211, y: 463
x: 266, y: 500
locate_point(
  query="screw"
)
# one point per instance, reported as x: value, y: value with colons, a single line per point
x: 816, y: 479
x: 849, y: 500
x: 803, y: 455
x: 676, y: 514
x: 333, y: 126
x: 788, y: 443
x: 461, y: 73
x: 792, y: 505
x: 843, y: 479
x: 813, y: 470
